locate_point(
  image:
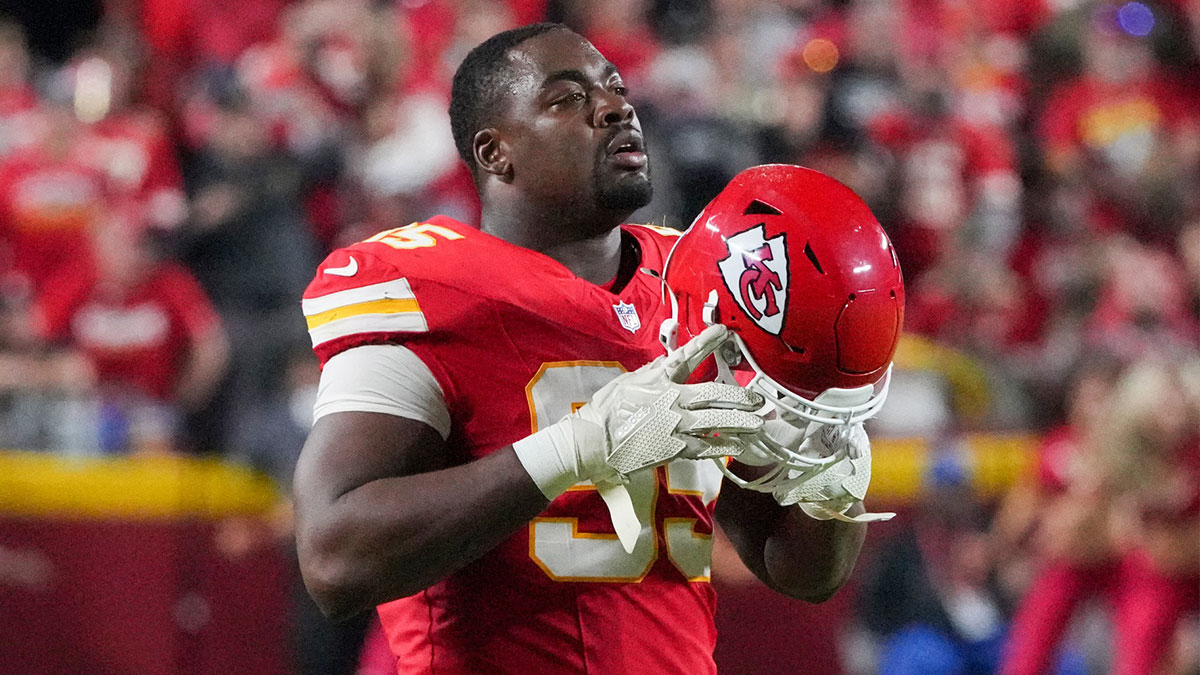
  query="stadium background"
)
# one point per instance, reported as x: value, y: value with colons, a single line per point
x: 171, y: 171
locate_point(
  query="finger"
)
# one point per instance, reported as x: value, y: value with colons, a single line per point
x: 758, y: 452
x: 714, y: 422
x: 709, y: 447
x: 643, y: 450
x: 862, y: 517
x: 859, y: 480
x: 681, y: 362
x: 718, y: 395
x: 860, y: 444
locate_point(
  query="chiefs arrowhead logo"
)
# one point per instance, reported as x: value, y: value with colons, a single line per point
x: 756, y: 274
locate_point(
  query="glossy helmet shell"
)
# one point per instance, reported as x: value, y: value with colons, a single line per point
x: 802, y: 272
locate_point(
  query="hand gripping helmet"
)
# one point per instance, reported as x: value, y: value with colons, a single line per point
x: 806, y: 280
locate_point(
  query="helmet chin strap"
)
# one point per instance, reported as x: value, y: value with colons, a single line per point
x: 709, y: 313
x: 668, y: 332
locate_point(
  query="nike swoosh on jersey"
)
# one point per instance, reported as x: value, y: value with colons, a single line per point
x: 347, y: 270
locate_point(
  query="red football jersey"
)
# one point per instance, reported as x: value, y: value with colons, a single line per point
x: 46, y: 205
x: 137, y: 339
x: 133, y: 151
x: 516, y: 341
x: 1119, y: 123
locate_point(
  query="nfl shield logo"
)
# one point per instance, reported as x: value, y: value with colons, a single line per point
x: 627, y: 313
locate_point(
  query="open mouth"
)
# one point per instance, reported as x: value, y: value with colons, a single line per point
x: 628, y: 151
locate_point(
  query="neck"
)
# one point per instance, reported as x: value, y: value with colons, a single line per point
x: 587, y: 244
x: 596, y: 259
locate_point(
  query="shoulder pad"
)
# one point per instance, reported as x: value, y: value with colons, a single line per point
x: 356, y: 298
x: 656, y: 242
x: 658, y: 229
x: 371, y: 292
x: 417, y: 236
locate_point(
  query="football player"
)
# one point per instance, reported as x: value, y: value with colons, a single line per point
x: 485, y: 392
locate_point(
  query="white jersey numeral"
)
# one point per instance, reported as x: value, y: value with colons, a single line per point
x: 557, y: 545
x: 416, y: 235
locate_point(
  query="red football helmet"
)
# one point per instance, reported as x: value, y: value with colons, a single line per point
x: 806, y: 280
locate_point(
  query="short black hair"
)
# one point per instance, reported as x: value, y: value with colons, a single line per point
x: 480, y: 81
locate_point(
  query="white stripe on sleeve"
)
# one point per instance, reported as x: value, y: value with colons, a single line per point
x: 396, y: 289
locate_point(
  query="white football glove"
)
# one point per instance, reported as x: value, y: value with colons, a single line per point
x: 638, y: 420
x: 830, y: 493
x: 822, y: 492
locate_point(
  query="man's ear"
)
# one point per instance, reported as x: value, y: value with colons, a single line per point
x: 491, y: 154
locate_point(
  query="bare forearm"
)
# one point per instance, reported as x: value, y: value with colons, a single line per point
x: 65, y: 371
x: 813, y: 557
x: 790, y: 552
x: 393, y: 537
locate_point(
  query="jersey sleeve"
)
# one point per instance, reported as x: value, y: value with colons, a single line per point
x: 357, y: 298
x: 54, y: 309
x: 388, y: 379
x: 414, y: 286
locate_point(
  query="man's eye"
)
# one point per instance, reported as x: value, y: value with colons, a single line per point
x: 621, y: 90
x: 573, y: 97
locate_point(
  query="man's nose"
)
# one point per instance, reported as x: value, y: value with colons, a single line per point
x: 612, y: 109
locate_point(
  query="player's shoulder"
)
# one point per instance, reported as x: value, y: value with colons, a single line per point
x: 656, y: 242
x: 421, y: 242
x: 430, y: 250
x: 656, y: 232
x: 382, y: 289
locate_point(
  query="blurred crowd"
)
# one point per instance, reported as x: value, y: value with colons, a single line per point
x: 1091, y: 564
x: 169, y: 182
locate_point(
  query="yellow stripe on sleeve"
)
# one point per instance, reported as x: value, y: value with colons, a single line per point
x: 388, y: 306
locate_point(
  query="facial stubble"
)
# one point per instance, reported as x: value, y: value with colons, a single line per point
x: 629, y: 192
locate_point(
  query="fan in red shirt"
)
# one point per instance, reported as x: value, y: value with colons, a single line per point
x: 959, y: 198
x: 1120, y: 126
x: 311, y: 80
x: 1151, y: 441
x: 1119, y: 112
x: 954, y: 176
x: 1063, y: 514
x: 1119, y: 517
x: 48, y: 200
x: 128, y: 143
x: 147, y: 328
x: 1141, y: 302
